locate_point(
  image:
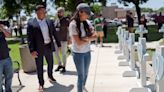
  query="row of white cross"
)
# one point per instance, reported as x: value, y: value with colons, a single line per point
x: 127, y: 47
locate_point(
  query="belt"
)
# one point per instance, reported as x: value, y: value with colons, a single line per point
x: 47, y: 44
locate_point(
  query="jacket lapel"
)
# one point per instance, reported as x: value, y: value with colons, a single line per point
x: 37, y: 27
x: 36, y: 24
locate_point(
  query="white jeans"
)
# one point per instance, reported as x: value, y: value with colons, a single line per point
x: 63, y: 52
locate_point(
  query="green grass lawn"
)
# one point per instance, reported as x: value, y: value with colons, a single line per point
x: 153, y: 34
x: 15, y: 54
x: 14, y: 51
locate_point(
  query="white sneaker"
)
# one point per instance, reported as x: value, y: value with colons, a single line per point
x: 84, y: 88
x: 101, y: 45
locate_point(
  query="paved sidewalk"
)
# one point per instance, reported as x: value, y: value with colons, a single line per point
x: 104, y: 76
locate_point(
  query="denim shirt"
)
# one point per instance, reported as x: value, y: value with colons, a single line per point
x: 4, y: 50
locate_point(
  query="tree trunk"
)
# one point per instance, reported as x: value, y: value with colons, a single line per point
x: 89, y: 3
x: 64, y: 3
x: 138, y: 10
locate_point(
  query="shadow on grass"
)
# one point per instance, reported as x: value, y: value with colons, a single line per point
x: 59, y: 88
x: 150, y: 49
x: 12, y: 41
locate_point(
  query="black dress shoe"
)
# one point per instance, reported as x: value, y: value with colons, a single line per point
x: 58, y: 68
x: 52, y: 80
x: 63, y: 70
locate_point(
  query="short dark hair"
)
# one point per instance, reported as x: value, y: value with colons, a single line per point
x: 38, y: 7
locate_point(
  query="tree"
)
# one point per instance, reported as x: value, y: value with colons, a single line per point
x: 161, y: 9
x: 103, y: 2
x: 13, y: 8
x: 96, y: 8
x: 29, y: 5
x: 70, y: 5
x: 2, y: 13
x: 137, y: 5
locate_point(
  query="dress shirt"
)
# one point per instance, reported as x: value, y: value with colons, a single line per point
x: 44, y: 29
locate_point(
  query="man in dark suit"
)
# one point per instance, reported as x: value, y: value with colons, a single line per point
x: 40, y: 39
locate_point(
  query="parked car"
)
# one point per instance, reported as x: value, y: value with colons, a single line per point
x: 114, y: 22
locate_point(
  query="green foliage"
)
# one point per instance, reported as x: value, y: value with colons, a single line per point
x: 2, y: 13
x: 161, y: 9
x: 103, y: 2
x: 70, y: 5
x: 146, y: 9
x: 29, y: 5
x: 96, y: 8
x: 13, y: 8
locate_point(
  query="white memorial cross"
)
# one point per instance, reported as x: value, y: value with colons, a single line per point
x: 142, y: 60
x: 125, y: 49
x: 141, y: 48
x: 131, y: 47
x: 126, y: 38
x: 119, y: 33
x: 158, y: 67
x: 161, y: 30
x: 141, y: 30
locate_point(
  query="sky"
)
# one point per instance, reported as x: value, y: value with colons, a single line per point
x: 155, y: 4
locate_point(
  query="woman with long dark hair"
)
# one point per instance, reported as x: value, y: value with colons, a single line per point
x: 81, y: 33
